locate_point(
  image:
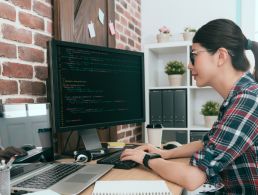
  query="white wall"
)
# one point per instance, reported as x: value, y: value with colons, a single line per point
x: 177, y: 14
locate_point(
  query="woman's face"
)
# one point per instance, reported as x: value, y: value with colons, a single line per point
x: 204, y: 69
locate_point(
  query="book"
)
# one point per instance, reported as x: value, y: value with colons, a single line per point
x: 131, y: 187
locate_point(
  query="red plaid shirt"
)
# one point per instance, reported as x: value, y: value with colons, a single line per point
x: 230, y: 153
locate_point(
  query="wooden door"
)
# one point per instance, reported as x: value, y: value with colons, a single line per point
x: 71, y: 19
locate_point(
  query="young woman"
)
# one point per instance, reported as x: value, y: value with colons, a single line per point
x: 228, y: 153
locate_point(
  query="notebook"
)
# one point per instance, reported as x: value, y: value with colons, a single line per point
x: 131, y: 187
x: 20, y: 125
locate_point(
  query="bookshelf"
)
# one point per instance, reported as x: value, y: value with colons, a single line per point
x: 156, y: 57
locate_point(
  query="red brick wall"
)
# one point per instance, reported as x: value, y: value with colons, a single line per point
x: 26, y: 26
x: 128, y: 36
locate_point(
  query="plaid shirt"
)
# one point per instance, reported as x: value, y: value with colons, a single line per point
x: 230, y: 152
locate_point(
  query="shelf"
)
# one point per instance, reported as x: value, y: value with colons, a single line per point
x: 189, y: 109
x: 168, y: 87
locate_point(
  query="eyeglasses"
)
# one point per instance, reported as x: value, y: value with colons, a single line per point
x: 193, y: 54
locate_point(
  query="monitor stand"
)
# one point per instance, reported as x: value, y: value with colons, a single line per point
x: 90, y: 139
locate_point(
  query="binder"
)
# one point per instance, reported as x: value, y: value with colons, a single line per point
x: 180, y: 111
x: 155, y: 107
x: 168, y: 108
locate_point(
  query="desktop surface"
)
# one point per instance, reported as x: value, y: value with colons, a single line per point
x: 137, y: 173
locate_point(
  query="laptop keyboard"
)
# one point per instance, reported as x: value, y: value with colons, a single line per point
x: 50, y: 177
x: 21, y: 169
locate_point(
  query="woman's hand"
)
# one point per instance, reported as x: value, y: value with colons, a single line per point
x: 8, y: 152
x: 133, y: 154
x: 151, y: 149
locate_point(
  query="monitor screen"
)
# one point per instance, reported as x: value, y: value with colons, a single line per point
x: 94, y: 86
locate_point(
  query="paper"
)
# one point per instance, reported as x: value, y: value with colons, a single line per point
x: 131, y: 187
x: 91, y: 30
x: 112, y: 28
x: 43, y: 192
x: 101, y: 16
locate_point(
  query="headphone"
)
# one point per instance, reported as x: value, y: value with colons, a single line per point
x: 84, y: 156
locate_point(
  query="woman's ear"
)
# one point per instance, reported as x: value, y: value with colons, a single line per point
x: 223, y: 56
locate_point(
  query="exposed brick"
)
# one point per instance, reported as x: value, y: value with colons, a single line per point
x: 7, y: 12
x: 131, y: 26
x: 49, y: 27
x: 124, y: 126
x: 15, y: 34
x: 25, y: 4
x: 42, y: 9
x: 123, y: 38
x: 41, y: 40
x: 119, y: 8
x: 8, y: 87
x: 41, y: 72
x: 19, y: 100
x: 41, y: 100
x: 131, y: 42
x: 121, y: 135
x: 17, y: 70
x: 128, y: 133
x: 138, y: 31
x: 124, y: 21
x: 31, y: 54
x: 31, y: 21
x: 132, y: 139
x: 32, y: 88
x: 7, y: 50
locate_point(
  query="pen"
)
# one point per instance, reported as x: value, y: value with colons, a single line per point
x: 10, y: 162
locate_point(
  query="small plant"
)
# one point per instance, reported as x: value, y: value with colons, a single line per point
x: 175, y: 67
x: 210, y: 108
x: 164, y: 29
x: 189, y: 29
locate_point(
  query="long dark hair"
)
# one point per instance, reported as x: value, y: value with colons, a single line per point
x: 225, y: 33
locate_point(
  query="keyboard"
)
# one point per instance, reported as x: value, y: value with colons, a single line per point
x: 50, y: 177
x: 21, y: 169
x: 114, y: 159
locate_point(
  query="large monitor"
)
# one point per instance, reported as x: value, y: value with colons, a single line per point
x: 93, y: 86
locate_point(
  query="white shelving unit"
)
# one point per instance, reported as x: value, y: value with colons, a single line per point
x: 156, y: 57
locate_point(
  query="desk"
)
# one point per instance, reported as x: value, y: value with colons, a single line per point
x: 139, y: 173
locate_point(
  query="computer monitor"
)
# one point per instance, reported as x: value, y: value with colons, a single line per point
x: 93, y: 87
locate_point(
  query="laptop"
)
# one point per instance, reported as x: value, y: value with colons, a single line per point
x: 29, y: 125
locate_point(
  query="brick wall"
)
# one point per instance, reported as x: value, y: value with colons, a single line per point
x: 128, y: 36
x: 26, y: 26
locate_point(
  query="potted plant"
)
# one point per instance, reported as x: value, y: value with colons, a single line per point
x: 164, y: 34
x: 175, y: 70
x: 189, y: 33
x: 210, y: 111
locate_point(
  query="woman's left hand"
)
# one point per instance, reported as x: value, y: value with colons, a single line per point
x: 133, y: 154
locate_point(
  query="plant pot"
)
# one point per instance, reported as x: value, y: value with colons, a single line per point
x: 163, y: 37
x: 188, y: 36
x: 175, y: 79
x: 209, y: 120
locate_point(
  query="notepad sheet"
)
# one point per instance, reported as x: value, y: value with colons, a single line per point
x: 131, y: 187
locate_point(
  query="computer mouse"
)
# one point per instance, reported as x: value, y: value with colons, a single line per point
x: 28, y: 147
x: 171, y: 145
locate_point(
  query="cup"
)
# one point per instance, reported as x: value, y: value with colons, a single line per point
x: 45, y: 137
x: 154, y: 133
x: 5, y: 184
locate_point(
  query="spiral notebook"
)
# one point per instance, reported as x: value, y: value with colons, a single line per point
x: 131, y: 187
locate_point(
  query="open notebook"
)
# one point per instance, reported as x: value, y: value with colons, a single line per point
x: 131, y: 187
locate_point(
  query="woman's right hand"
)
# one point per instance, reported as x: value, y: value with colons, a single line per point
x: 151, y: 149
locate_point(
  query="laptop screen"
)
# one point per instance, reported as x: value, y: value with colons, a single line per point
x: 27, y: 126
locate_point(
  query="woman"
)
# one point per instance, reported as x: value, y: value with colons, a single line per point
x: 227, y: 155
